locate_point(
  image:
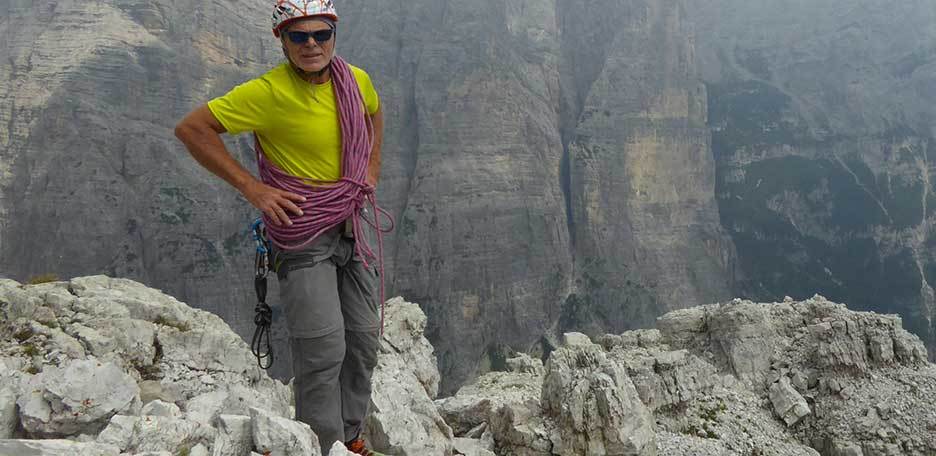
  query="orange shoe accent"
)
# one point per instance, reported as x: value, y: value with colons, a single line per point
x: 357, y: 446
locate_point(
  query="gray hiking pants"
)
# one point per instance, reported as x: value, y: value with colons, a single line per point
x: 330, y: 300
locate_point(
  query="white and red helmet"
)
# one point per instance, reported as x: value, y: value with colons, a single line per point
x: 287, y: 11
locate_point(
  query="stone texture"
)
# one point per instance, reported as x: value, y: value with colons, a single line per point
x: 8, y: 418
x: 642, y: 207
x: 825, y: 371
x: 198, y: 450
x: 157, y: 433
x: 403, y: 418
x: 338, y: 449
x: 160, y: 408
x: 595, y: 405
x: 236, y: 400
x: 234, y: 436
x: 78, y: 398
x: 504, y: 406
x: 471, y: 447
x: 276, y: 435
x: 668, y: 378
x: 523, y: 363
x: 56, y: 448
x: 119, y: 431
x: 404, y: 332
x: 787, y: 402
x: 682, y: 389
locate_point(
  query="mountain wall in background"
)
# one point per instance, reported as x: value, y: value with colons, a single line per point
x: 547, y: 163
x: 823, y: 122
x: 553, y: 165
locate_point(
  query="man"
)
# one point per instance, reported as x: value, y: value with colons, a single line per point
x: 318, y: 127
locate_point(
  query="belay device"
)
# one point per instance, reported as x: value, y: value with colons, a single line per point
x: 263, y: 314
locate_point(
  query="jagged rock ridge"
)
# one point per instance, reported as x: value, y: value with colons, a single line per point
x: 100, y: 366
x: 739, y: 378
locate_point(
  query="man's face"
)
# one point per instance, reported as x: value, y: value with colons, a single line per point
x: 309, y: 54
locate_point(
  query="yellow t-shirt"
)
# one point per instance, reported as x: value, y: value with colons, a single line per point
x: 296, y: 122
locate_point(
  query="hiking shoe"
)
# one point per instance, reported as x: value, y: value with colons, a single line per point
x: 356, y: 446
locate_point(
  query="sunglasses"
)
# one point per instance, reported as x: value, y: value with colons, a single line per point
x: 320, y: 36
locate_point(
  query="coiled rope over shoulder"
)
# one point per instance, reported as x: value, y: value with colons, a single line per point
x: 329, y: 204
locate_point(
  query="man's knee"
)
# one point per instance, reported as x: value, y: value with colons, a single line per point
x: 318, y: 355
x: 363, y: 346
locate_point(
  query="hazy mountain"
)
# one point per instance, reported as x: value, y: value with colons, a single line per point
x: 549, y: 163
x: 823, y: 121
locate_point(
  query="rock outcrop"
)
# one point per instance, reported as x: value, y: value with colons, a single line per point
x: 404, y: 420
x: 101, y: 366
x: 740, y: 378
x: 594, y: 404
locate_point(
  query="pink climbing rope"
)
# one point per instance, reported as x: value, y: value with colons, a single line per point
x: 330, y: 204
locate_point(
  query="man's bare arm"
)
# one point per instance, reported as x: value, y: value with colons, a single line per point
x: 373, y: 166
x: 201, y: 133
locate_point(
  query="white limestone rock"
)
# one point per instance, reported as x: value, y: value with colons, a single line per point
x: 119, y: 431
x: 404, y: 329
x: 526, y: 364
x: 160, y: 408
x: 276, y: 435
x: 79, y: 398
x: 787, y: 402
x: 574, y: 339
x: 55, y: 448
x: 8, y: 417
x: 403, y: 418
x: 471, y: 447
x: 234, y: 436
x: 137, y: 434
x: 338, y: 449
x: 594, y: 404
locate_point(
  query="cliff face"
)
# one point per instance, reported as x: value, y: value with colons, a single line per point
x: 93, y: 180
x: 554, y: 173
x: 823, y: 126
x: 546, y: 161
x: 481, y: 236
x: 642, y: 207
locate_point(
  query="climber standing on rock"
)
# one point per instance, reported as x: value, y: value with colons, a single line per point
x: 318, y: 127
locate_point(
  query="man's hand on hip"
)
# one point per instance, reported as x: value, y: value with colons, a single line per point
x: 273, y: 202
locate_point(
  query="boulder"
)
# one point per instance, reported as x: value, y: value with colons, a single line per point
x: 403, y: 418
x: 276, y: 435
x: 79, y: 398
x: 789, y: 405
x: 156, y: 433
x: 595, y: 405
x: 234, y: 436
x: 160, y: 408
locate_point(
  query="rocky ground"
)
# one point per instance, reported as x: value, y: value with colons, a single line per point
x: 101, y: 366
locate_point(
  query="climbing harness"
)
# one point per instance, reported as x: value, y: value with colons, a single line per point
x: 263, y: 314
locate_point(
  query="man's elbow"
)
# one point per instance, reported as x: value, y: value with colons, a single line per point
x: 183, y: 130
